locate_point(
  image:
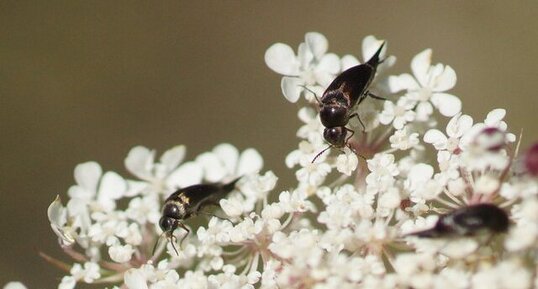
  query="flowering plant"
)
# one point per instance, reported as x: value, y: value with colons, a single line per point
x: 349, y: 222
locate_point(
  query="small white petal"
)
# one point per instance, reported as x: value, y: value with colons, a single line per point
x: 457, y: 129
x: 139, y: 161
x: 348, y: 61
x: 402, y: 82
x: 68, y: 282
x: 213, y: 169
x: 173, y: 157
x: 447, y: 104
x: 232, y: 208
x: 58, y: 218
x: 437, y: 138
x: 445, y: 81
x: 420, y: 65
x: 304, y: 56
x: 120, y: 254
x: 228, y: 154
x: 291, y: 88
x: 420, y: 172
x: 370, y: 45
x: 87, y: 175
x: 281, y: 59
x: 187, y: 174
x: 113, y: 186
x: 495, y: 116
x: 135, y: 279
x: 317, y: 43
x: 327, y: 68
x: 250, y: 162
x: 347, y: 163
x: 56, y: 212
x: 14, y: 285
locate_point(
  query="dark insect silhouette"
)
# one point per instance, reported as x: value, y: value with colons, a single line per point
x: 468, y: 221
x: 188, y: 202
x: 348, y: 89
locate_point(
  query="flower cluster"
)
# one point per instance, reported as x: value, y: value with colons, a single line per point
x: 351, y: 221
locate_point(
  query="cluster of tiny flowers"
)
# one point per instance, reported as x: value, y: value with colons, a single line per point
x: 349, y: 222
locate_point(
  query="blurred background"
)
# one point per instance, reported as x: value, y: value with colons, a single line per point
x: 88, y: 80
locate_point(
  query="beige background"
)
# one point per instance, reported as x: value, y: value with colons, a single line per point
x: 87, y: 81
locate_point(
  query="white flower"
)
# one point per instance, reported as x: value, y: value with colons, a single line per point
x: 383, y: 170
x: 165, y: 175
x: 100, y: 191
x: 404, y: 139
x: 226, y: 162
x: 398, y: 114
x: 311, y: 67
x: 312, y: 130
x: 88, y: 273
x: 58, y: 219
x: 120, y: 253
x: 347, y: 163
x: 429, y: 84
x: 456, y: 128
x: 144, y: 209
x: 14, y: 285
x: 420, y: 183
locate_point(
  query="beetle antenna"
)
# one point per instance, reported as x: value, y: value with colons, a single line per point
x: 174, y: 246
x: 311, y: 91
x: 157, y: 243
x: 320, y: 153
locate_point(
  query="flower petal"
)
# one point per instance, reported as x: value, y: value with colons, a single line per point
x: 495, y: 116
x: 189, y: 173
x: 281, y: 59
x: 348, y: 61
x: 14, y: 285
x: 447, y: 104
x: 458, y: 125
x: 173, y: 157
x: 87, y: 175
x: 370, y: 45
x: 135, y: 279
x: 445, y: 81
x: 56, y: 212
x: 213, y: 168
x: 420, y: 65
x: 250, y: 162
x: 228, y: 154
x: 139, y: 161
x: 113, y: 186
x: 402, y: 82
x: 326, y: 69
x: 317, y: 43
x: 437, y: 138
x: 291, y: 88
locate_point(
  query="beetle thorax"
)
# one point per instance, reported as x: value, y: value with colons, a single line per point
x: 334, y: 115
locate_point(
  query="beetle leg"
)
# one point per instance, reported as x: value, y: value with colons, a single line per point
x: 360, y: 121
x: 375, y: 96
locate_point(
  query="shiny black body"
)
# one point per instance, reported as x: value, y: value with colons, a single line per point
x: 468, y: 221
x: 190, y: 201
x: 347, y: 89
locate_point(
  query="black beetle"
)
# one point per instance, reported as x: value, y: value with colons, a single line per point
x: 187, y: 202
x: 348, y: 89
x: 468, y: 221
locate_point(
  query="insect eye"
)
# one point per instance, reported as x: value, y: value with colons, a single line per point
x: 335, y: 135
x: 167, y: 224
